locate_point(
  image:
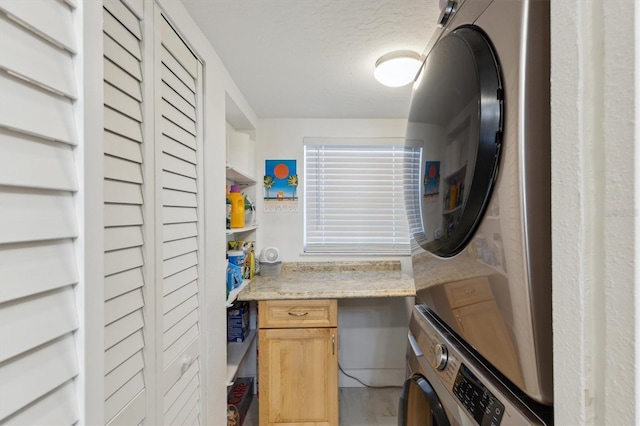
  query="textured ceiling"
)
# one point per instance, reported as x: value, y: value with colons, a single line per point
x: 315, y: 58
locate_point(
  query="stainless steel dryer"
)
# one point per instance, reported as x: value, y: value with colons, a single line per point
x: 481, y: 211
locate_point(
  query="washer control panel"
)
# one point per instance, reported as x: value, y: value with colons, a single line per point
x: 483, y: 406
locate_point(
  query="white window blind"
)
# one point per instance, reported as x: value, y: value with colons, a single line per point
x: 354, y: 198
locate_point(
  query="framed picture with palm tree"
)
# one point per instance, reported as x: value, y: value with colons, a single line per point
x: 280, y: 185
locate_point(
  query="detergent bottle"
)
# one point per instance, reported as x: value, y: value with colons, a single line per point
x: 237, y: 207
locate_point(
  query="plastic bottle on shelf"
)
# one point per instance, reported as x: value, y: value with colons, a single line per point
x: 237, y: 207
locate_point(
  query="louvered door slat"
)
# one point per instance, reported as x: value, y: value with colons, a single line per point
x: 180, y: 386
x: 171, y: 317
x: 123, y: 396
x: 179, y: 198
x: 123, y: 305
x: 122, y: 57
x: 32, y: 215
x: 180, y: 279
x: 189, y: 406
x: 173, y: 352
x: 124, y: 282
x: 174, y: 44
x: 121, y: 329
x: 114, y: 29
x: 29, y: 323
x: 174, y: 333
x: 178, y: 118
x: 31, y: 57
x: 123, y: 195
x: 122, y: 260
x: 180, y: 393
x: 177, y: 133
x: 177, y: 231
x: 122, y: 215
x: 179, y: 183
x: 50, y: 19
x: 121, y: 102
x: 31, y: 268
x: 122, y: 125
x: 178, y: 150
x: 122, y: 237
x: 179, y: 166
x: 120, y: 352
x: 22, y: 155
x: 127, y: 18
x: 133, y: 413
x: 175, y: 299
x: 21, y: 102
x: 179, y: 263
x: 117, y: 378
x: 177, y: 85
x: 122, y: 192
x: 56, y: 408
x: 179, y: 215
x: 36, y: 374
x: 172, y: 97
x: 121, y: 147
x: 176, y: 248
x: 179, y: 71
x: 119, y: 78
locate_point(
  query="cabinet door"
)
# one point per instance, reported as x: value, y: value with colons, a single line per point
x: 298, y: 376
x: 483, y: 327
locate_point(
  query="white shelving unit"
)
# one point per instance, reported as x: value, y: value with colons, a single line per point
x: 241, y: 230
x: 236, y: 352
x: 241, y: 357
x: 233, y: 294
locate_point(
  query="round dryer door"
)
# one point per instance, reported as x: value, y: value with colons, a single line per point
x: 420, y: 405
x: 455, y: 122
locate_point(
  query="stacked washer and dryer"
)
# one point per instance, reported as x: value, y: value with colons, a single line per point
x: 480, y: 339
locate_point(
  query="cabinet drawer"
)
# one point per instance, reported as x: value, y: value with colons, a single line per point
x: 297, y: 313
x: 466, y: 292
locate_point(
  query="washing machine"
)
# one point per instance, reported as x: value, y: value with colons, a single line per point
x: 479, y: 204
x: 446, y: 386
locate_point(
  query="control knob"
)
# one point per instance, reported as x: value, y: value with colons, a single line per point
x: 440, y: 357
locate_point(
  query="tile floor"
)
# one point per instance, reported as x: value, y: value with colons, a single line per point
x: 358, y: 407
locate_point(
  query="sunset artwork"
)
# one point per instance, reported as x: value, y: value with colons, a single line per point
x: 280, y: 185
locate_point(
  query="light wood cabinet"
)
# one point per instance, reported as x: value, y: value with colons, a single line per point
x: 298, y: 362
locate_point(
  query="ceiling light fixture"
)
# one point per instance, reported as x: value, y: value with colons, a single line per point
x: 396, y: 69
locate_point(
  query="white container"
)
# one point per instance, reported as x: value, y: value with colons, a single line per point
x: 270, y: 269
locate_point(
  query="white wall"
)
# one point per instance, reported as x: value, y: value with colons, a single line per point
x: 372, y: 332
x: 594, y: 220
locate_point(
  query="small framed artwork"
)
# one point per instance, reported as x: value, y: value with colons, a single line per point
x: 280, y: 186
x: 431, y: 178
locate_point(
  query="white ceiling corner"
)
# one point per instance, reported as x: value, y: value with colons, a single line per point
x: 315, y: 58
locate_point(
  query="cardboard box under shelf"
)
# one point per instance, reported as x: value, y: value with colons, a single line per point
x: 240, y: 396
x: 238, y: 322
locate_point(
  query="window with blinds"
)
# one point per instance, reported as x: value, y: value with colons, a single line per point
x: 354, y: 198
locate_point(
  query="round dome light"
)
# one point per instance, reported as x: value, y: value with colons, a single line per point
x: 396, y: 69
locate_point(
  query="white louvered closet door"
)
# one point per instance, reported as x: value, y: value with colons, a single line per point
x: 38, y: 222
x: 124, y: 244
x: 179, y: 200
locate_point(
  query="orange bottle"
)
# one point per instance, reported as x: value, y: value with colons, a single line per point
x: 237, y: 207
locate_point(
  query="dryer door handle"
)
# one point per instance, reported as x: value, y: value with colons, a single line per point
x: 414, y: 345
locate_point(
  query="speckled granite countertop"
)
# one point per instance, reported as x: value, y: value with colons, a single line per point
x: 333, y: 280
